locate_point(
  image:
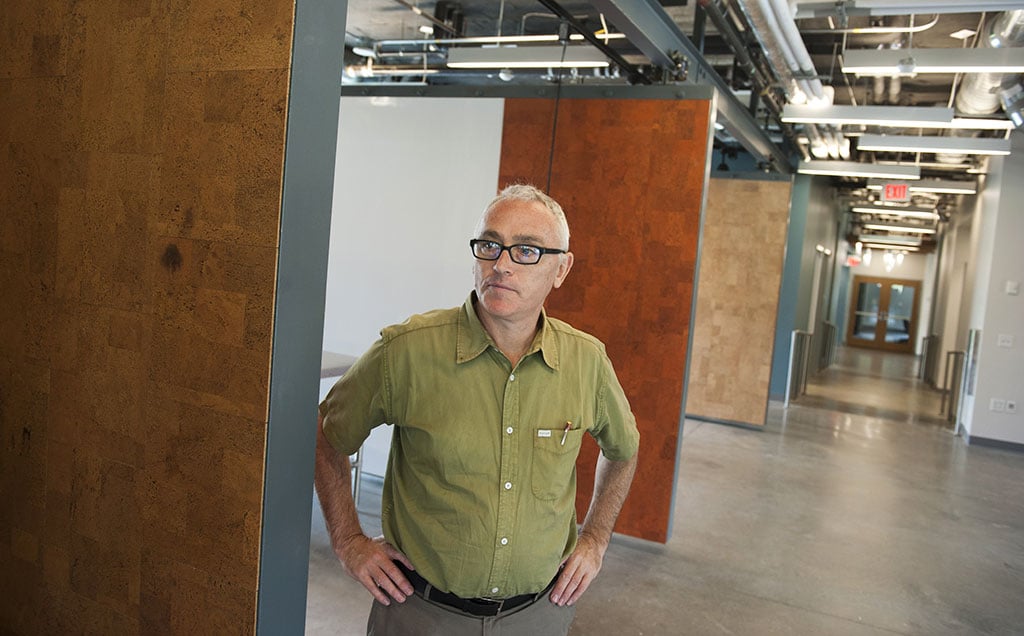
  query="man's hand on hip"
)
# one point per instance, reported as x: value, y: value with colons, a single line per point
x: 579, y: 570
x: 371, y: 562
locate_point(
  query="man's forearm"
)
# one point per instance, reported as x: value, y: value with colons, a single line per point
x: 611, y: 485
x: 333, y: 481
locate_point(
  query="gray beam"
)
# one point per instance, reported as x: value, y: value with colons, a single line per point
x: 317, y: 48
x: 651, y: 30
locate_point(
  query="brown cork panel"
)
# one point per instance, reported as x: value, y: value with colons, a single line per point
x: 141, y: 153
x: 222, y: 35
x: 630, y: 176
x: 737, y: 299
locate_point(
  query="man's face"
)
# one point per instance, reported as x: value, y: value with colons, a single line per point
x: 509, y: 291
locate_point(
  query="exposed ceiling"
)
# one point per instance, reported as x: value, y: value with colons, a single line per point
x: 743, y: 47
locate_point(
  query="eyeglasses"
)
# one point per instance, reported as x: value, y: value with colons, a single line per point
x: 523, y: 254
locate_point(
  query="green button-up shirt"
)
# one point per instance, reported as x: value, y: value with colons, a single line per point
x: 481, y: 480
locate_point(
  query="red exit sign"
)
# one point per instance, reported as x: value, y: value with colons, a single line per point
x: 896, y: 192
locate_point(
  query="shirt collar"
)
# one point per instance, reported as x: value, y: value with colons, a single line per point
x: 472, y: 339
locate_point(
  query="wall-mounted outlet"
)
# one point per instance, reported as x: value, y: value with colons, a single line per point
x: 997, y: 404
x: 1004, y: 340
x: 1011, y: 406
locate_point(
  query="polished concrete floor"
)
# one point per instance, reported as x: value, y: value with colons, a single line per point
x: 856, y: 511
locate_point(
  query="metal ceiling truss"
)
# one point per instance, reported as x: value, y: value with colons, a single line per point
x: 657, y: 36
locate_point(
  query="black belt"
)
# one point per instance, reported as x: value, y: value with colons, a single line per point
x: 474, y: 606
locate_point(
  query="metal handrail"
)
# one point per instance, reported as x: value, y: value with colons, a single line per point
x: 957, y: 376
x: 929, y: 359
x: 799, y: 356
x: 828, y: 345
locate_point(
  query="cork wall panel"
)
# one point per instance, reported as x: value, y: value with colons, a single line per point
x: 630, y: 175
x: 737, y: 300
x: 141, y: 156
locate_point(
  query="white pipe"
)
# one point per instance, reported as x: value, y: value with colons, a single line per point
x: 878, y: 95
x: 791, y: 36
x: 783, y: 45
x: 895, y: 86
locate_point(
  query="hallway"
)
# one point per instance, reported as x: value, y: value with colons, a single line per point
x: 839, y: 518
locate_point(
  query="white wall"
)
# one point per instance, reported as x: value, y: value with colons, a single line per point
x: 413, y: 176
x: 994, y: 310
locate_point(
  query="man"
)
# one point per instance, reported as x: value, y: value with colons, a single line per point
x: 489, y: 402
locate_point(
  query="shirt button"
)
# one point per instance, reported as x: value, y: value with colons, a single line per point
x: 494, y: 590
x: 504, y: 541
x: 512, y: 378
x: 508, y: 485
x: 509, y: 430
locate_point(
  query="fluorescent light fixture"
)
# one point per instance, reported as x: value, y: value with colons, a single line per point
x: 953, y: 145
x: 907, y: 116
x: 527, y: 57
x: 901, y: 248
x: 889, y: 116
x: 969, y: 123
x: 888, y: 241
x: 936, y: 186
x: 909, y: 229
x: 888, y: 62
x: 910, y: 213
x: 856, y: 169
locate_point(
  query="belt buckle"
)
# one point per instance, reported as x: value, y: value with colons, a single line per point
x: 494, y: 604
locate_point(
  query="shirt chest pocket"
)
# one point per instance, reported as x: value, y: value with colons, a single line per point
x: 554, y: 459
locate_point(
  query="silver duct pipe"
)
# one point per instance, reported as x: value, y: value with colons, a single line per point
x: 979, y: 92
x: 982, y: 93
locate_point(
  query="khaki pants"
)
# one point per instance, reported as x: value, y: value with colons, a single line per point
x: 419, y: 617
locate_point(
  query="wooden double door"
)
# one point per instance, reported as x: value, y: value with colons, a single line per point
x: 883, y: 313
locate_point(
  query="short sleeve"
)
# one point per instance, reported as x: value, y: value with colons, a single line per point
x: 616, y: 431
x: 358, y: 401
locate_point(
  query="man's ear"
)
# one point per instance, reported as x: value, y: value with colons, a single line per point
x: 564, y: 265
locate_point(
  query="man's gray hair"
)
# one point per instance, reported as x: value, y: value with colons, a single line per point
x: 524, y: 192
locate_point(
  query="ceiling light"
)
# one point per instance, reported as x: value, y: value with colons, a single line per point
x: 888, y: 241
x: 969, y: 123
x: 907, y: 116
x: 898, y: 228
x: 953, y: 145
x: 902, y: 248
x: 856, y: 169
x: 890, y: 116
x: 889, y: 62
x: 527, y: 57
x: 911, y: 213
x: 937, y: 186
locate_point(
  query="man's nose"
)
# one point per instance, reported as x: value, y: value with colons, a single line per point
x: 504, y: 262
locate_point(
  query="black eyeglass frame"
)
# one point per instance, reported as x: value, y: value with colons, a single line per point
x: 543, y: 250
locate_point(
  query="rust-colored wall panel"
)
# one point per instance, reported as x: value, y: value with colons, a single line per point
x: 737, y: 299
x: 630, y: 175
x: 141, y: 159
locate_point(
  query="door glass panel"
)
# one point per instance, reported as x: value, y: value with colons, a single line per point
x: 901, y: 310
x: 865, y: 319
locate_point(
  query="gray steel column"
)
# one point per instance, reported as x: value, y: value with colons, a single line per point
x: 312, y: 134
